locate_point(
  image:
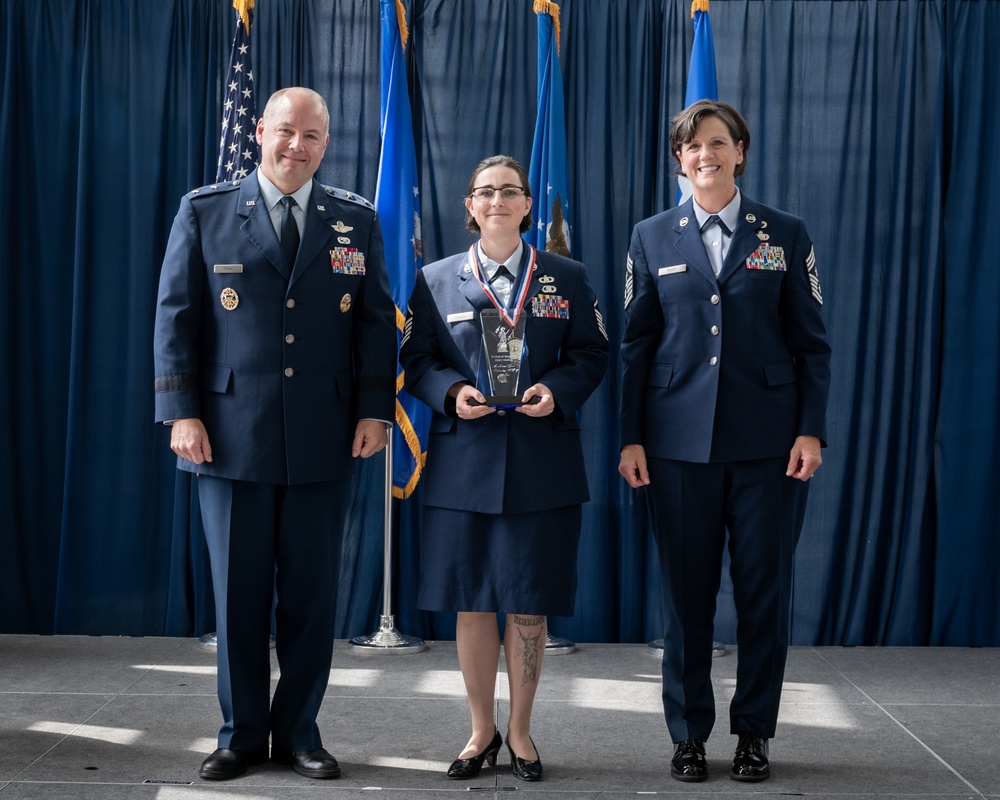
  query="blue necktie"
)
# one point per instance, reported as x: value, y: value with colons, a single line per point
x: 289, y: 231
x: 715, y: 218
x: 502, y: 281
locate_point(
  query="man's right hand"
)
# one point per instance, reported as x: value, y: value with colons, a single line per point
x: 633, y: 465
x: 189, y: 439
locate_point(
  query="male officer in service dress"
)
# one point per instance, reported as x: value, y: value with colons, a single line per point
x: 726, y: 373
x: 275, y: 358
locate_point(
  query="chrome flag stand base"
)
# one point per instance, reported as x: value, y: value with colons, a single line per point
x: 718, y: 648
x: 387, y: 640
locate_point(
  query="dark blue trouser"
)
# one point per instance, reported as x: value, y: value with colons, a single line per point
x: 266, y: 540
x: 692, y: 506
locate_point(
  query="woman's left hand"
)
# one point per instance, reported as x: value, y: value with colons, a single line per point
x: 542, y: 407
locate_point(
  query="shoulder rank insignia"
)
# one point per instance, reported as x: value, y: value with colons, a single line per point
x: 343, y: 194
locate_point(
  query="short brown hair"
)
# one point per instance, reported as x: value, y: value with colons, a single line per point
x: 685, y: 125
x: 499, y: 161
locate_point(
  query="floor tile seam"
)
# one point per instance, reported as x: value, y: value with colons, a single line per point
x: 168, y: 694
x: 66, y: 736
x: 59, y: 694
x: 881, y: 707
x: 406, y: 697
x: 894, y: 704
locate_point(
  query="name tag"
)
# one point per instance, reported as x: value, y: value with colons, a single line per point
x: 673, y: 269
x: 464, y: 316
x: 227, y: 269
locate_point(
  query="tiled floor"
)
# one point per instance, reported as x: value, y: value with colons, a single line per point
x: 104, y: 718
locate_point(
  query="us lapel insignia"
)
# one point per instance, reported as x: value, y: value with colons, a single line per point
x: 683, y: 223
x: 750, y: 218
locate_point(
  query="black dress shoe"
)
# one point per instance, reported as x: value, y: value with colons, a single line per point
x: 688, y: 763
x: 750, y: 763
x: 225, y: 764
x: 311, y: 763
x: 525, y: 770
x: 462, y: 768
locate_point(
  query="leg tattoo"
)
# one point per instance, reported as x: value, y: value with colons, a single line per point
x: 529, y: 645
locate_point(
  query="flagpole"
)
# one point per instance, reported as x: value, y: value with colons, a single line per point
x: 387, y: 639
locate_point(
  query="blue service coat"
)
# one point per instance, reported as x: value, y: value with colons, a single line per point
x: 278, y: 363
x: 723, y: 369
x: 504, y: 463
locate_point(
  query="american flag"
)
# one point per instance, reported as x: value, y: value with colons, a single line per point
x: 238, y: 149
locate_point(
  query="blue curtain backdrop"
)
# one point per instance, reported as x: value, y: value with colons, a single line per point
x: 875, y: 120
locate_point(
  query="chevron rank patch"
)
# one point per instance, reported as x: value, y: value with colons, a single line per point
x: 813, y: 274
x: 600, y: 320
x: 629, y: 280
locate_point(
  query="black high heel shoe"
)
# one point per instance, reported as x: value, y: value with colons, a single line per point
x: 470, y: 767
x: 526, y: 770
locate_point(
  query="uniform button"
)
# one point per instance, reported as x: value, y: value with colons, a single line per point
x: 290, y: 339
x: 289, y: 303
x: 714, y: 329
x: 715, y: 299
x: 289, y: 372
x: 713, y: 360
x: 501, y: 412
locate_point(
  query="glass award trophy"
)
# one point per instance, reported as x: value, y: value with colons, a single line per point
x: 503, y: 347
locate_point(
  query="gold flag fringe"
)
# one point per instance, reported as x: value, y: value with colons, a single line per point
x: 404, y: 32
x: 698, y: 5
x: 552, y: 9
x: 413, y: 443
x: 244, y: 7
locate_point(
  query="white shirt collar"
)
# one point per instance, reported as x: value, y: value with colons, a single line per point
x: 513, y: 263
x: 272, y: 194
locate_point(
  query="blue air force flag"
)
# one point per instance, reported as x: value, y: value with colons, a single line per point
x: 397, y: 201
x: 701, y: 81
x: 548, y: 171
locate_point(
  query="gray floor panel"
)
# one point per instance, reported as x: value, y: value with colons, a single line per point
x: 94, y: 718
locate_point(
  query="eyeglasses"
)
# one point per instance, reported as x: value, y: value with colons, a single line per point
x: 485, y: 194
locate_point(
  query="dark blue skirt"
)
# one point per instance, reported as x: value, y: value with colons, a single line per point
x: 510, y: 563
